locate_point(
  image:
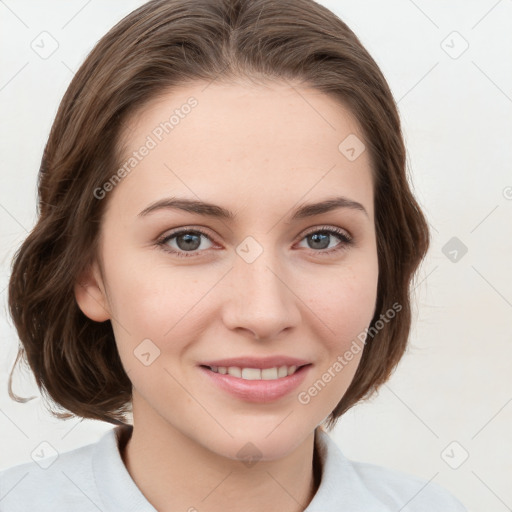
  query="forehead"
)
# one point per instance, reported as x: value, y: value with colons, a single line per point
x: 227, y: 143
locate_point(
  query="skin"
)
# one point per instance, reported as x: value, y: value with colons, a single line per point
x: 260, y: 151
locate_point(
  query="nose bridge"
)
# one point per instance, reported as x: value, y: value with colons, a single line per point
x: 258, y: 268
x: 262, y: 300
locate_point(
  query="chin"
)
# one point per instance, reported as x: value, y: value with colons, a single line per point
x: 255, y: 443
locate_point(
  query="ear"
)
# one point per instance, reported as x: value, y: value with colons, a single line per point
x: 90, y: 294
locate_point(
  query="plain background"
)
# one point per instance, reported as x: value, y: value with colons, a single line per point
x: 446, y: 413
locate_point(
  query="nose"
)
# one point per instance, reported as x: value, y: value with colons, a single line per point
x: 261, y: 298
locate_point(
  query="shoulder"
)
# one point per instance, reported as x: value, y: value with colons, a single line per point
x: 61, y: 481
x: 363, y: 486
x: 407, y: 492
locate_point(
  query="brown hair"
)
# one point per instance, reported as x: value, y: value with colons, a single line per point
x: 167, y: 43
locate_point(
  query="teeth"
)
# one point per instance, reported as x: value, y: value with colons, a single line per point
x: 251, y: 373
x: 269, y: 374
x: 255, y: 373
x: 282, y: 372
x: 233, y: 370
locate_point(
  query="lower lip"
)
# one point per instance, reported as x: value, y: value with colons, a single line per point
x: 257, y: 390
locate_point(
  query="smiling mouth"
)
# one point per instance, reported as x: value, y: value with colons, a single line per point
x: 275, y: 373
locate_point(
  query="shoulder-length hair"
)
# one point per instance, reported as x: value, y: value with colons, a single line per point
x: 167, y: 43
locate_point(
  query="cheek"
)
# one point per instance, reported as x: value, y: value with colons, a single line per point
x: 343, y: 308
x: 150, y: 299
x: 143, y: 291
x: 343, y: 300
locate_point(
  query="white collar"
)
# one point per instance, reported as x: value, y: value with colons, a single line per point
x: 341, y: 487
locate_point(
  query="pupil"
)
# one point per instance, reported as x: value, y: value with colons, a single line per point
x: 191, y: 242
x: 318, y: 241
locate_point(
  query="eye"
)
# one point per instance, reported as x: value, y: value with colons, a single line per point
x: 320, y: 239
x: 187, y: 242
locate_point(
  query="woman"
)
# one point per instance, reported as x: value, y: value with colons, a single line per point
x: 224, y: 251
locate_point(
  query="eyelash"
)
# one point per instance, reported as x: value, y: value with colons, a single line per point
x: 345, y: 239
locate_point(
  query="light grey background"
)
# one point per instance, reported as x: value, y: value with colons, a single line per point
x: 451, y: 396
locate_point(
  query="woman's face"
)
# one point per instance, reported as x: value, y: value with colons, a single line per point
x: 271, y: 286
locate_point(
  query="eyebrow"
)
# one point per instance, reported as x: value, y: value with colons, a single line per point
x: 215, y: 211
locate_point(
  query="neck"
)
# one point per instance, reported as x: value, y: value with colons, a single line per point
x: 175, y: 473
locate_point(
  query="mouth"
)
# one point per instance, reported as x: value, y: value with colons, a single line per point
x: 260, y: 381
x: 247, y: 373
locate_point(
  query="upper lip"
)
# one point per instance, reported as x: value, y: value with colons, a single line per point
x: 257, y: 362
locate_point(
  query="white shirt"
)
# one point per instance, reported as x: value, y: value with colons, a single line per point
x: 94, y: 478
